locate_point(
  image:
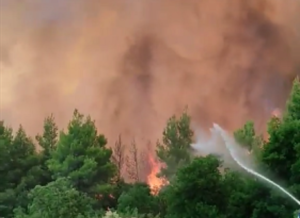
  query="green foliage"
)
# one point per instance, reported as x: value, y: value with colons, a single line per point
x: 138, y: 197
x: 81, y: 156
x: 281, y: 156
x: 293, y: 103
x: 198, y: 190
x: 48, y: 139
x: 57, y: 199
x: 174, y: 150
x: 247, y: 137
x: 249, y: 197
x: 6, y: 139
x: 19, y: 169
x: 280, y: 152
x: 113, y: 214
x: 239, y: 191
x: 296, y: 214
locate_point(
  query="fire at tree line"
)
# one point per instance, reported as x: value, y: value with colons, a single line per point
x: 75, y: 174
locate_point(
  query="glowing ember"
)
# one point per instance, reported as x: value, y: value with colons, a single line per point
x: 154, y: 182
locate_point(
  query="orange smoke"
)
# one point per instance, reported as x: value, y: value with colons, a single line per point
x: 153, y: 181
x: 133, y: 64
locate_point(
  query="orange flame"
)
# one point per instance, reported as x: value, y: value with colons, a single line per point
x: 154, y: 182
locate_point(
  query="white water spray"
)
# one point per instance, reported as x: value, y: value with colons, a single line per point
x: 229, y: 143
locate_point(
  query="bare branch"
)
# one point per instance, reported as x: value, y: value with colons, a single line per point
x: 132, y: 163
x: 118, y: 156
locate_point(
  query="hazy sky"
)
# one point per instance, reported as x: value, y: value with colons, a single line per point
x: 132, y: 64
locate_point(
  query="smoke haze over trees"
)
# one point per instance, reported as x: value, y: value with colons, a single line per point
x: 76, y: 175
x: 132, y: 64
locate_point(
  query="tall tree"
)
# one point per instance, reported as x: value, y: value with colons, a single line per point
x: 6, y: 139
x: 174, y: 150
x: 82, y: 157
x: 7, y: 194
x: 47, y: 141
x: 19, y: 169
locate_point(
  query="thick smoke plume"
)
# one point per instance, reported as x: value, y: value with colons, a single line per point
x: 131, y: 64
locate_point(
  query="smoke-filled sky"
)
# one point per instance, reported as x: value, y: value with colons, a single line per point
x: 131, y: 64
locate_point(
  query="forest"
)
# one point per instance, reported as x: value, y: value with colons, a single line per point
x: 72, y: 173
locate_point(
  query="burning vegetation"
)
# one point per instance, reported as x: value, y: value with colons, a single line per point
x: 153, y: 180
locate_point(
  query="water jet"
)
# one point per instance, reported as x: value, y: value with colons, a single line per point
x: 229, y: 143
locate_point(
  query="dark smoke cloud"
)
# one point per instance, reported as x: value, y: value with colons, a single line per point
x: 132, y: 64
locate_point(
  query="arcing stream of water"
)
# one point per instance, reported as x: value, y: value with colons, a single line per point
x: 228, y: 145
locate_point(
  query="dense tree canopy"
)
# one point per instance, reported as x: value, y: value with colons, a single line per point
x: 57, y: 199
x: 193, y: 195
x: 174, y: 149
x: 74, y: 174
